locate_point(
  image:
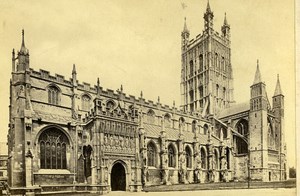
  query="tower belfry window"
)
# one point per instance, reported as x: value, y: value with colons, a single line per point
x: 191, y: 68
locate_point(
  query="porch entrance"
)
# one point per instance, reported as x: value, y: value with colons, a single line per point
x: 118, y: 178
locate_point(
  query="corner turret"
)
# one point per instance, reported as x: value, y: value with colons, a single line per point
x: 23, y: 56
x: 208, y: 20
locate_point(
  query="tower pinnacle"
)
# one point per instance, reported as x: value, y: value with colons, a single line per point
x: 208, y: 10
x: 74, y: 69
x: 225, y: 20
x: 23, y: 48
x: 185, y: 29
x: 257, y: 78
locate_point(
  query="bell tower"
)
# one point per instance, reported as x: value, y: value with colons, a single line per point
x: 206, y: 71
x: 258, y: 128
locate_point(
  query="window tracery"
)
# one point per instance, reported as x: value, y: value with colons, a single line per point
x: 171, y: 156
x: 53, y: 146
x: 53, y: 95
x: 151, y: 154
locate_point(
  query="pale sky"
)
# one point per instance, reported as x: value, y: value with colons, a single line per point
x: 137, y: 43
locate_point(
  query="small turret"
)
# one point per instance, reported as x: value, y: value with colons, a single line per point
x: 208, y: 20
x: 74, y: 76
x: 23, y: 56
x: 185, y: 34
x: 225, y: 28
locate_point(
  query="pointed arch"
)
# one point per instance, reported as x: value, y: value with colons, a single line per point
x: 188, y: 156
x: 194, y: 126
x: 172, y: 155
x: 203, y: 155
x: 205, y: 129
x: 242, y: 128
x: 216, y: 159
x: 53, y: 144
x: 181, y: 123
x: 167, y: 120
x: 151, y: 154
x: 151, y: 116
x: 53, y: 94
x: 86, y: 101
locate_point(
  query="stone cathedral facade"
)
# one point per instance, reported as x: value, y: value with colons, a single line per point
x: 64, y: 134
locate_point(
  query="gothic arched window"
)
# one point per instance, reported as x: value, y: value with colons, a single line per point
x: 216, y: 159
x: 167, y: 120
x: 151, y: 154
x: 241, y: 145
x: 217, y: 90
x: 203, y: 158
x: 53, y: 145
x: 216, y: 61
x: 181, y: 123
x: 188, y: 157
x: 110, y: 105
x: 171, y: 156
x: 191, y: 67
x: 194, y: 126
x: 86, y: 102
x: 228, y: 157
x: 53, y: 95
x: 201, y: 62
x: 205, y: 129
x: 151, y: 117
x: 87, y: 152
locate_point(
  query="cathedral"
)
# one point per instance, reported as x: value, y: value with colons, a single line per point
x: 70, y: 135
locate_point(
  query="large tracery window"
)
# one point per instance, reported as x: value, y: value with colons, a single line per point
x: 53, y: 95
x: 53, y: 146
x: 151, y: 154
x: 86, y: 101
x: 241, y: 145
x: 171, y: 156
x: 188, y: 157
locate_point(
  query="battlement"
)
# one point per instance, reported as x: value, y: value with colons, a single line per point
x: 200, y: 37
x: 110, y: 94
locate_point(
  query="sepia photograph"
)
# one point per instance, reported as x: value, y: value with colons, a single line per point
x: 140, y: 97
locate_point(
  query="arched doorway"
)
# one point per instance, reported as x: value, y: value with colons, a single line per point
x: 118, y: 178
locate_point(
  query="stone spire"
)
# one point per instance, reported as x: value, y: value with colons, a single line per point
x: 257, y: 78
x: 278, y: 87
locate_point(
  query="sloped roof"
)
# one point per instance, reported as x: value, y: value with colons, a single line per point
x: 234, y: 109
